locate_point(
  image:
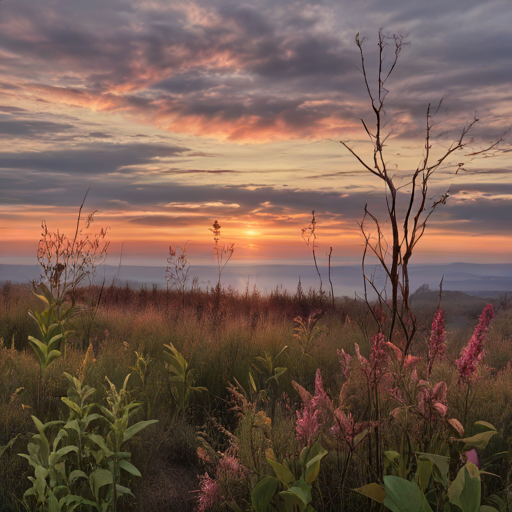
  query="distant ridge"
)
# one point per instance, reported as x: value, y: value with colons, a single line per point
x: 479, y: 279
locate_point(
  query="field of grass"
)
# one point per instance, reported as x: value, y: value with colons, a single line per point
x: 226, y: 430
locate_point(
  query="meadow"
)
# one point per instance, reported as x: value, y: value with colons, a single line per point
x: 224, y: 401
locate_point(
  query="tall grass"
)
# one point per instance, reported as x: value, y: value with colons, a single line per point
x: 220, y: 335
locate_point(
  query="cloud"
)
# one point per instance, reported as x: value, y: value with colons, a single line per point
x: 28, y: 128
x: 244, y: 74
x: 90, y: 159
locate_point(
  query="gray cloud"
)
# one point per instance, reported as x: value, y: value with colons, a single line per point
x: 263, y: 62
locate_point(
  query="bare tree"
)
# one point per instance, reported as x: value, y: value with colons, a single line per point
x: 406, y: 225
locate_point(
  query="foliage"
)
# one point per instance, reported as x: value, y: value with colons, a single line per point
x: 51, y: 323
x: 182, y: 378
x: 290, y: 490
x: 79, y: 462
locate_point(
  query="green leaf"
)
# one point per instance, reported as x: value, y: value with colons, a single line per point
x: 72, y: 405
x: 373, y: 491
x: 136, y: 428
x: 282, y: 472
x: 98, y: 479
x: 263, y: 493
x: 76, y: 474
x: 479, y: 441
x: 404, y: 496
x: 95, y: 438
x: 465, y: 491
x: 298, y: 495
x: 128, y: 466
x: 441, y: 462
x: 423, y: 473
x: 121, y: 490
x: 313, y: 466
x: 487, y: 508
x: 483, y: 426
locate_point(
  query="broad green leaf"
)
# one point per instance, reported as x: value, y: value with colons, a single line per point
x: 53, y: 504
x: 121, y: 490
x: 73, y: 425
x: 483, y: 426
x: 487, y: 508
x: 440, y: 461
x: 95, y: 438
x: 465, y: 490
x: 128, y: 466
x: 74, y: 475
x: 263, y: 493
x: 98, y: 479
x: 74, y: 407
x: 136, y: 428
x: 479, y: 441
x: 373, y: 491
x: 423, y: 473
x: 404, y: 496
x: 282, y: 472
x: 313, y: 466
x: 297, y: 495
x: 314, y: 451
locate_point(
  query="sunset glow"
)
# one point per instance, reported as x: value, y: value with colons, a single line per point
x: 179, y: 114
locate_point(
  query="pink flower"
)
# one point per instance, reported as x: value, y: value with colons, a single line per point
x: 344, y: 359
x: 209, y: 494
x: 307, y: 426
x: 432, y: 402
x: 347, y: 429
x: 230, y: 466
x: 320, y: 402
x: 473, y: 353
x: 437, y: 340
x: 312, y: 417
x: 376, y: 367
x: 472, y: 457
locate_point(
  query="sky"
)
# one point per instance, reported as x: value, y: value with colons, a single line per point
x: 175, y: 114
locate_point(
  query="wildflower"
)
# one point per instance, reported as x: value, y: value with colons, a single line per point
x: 312, y: 417
x: 473, y: 353
x: 230, y: 468
x: 88, y: 359
x: 432, y: 402
x: 209, y: 494
x: 344, y: 359
x: 320, y: 400
x: 347, y: 429
x: 437, y: 340
x: 472, y: 456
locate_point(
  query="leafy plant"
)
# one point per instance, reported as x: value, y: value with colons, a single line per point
x: 74, y: 461
x: 428, y: 488
x: 51, y: 324
x: 182, y: 378
x: 290, y: 490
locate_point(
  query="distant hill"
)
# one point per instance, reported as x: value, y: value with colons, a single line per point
x: 482, y: 280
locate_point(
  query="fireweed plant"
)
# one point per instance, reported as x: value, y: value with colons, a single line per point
x: 472, y: 355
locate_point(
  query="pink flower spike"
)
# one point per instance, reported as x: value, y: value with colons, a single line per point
x: 344, y: 359
x: 209, y: 494
x: 437, y: 340
x: 473, y: 353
